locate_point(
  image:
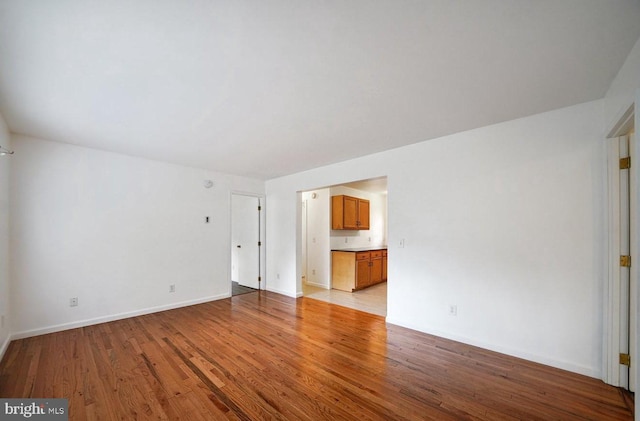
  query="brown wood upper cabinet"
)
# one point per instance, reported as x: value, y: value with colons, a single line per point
x: 349, y: 213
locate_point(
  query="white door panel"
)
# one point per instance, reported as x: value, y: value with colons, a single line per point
x: 245, y: 236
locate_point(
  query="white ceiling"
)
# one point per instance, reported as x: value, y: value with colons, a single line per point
x: 271, y: 87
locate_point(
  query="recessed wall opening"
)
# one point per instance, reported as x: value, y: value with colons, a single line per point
x: 343, y: 241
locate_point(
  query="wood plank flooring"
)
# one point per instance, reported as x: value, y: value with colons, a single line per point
x: 265, y: 356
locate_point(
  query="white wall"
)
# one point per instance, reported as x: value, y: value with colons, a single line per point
x: 622, y: 91
x: 114, y: 231
x: 4, y: 239
x: 506, y: 222
x: 376, y: 235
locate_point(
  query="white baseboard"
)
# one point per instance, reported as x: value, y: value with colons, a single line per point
x: 111, y: 318
x: 4, y: 346
x: 315, y: 284
x: 563, y: 365
x: 287, y: 293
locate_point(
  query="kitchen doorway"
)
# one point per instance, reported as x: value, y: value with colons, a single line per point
x: 318, y: 239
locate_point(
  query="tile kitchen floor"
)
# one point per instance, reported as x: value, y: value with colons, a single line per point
x: 371, y: 300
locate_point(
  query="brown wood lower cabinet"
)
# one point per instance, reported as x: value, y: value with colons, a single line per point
x: 353, y: 270
x: 376, y: 267
x: 363, y: 272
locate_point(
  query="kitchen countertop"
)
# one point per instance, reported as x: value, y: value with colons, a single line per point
x: 357, y: 249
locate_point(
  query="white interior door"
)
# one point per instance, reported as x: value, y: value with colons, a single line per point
x: 625, y: 272
x: 622, y: 289
x: 633, y: 273
x: 628, y: 275
x: 245, y: 240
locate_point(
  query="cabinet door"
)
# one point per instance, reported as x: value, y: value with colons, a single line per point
x: 337, y: 213
x: 363, y: 271
x: 363, y: 214
x: 363, y: 274
x: 350, y: 216
x: 376, y: 270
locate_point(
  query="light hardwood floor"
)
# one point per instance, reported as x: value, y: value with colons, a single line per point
x: 371, y: 300
x: 265, y: 356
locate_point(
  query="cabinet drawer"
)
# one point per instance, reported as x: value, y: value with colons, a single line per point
x: 363, y: 255
x: 376, y: 254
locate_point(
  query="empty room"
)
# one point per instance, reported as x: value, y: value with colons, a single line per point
x: 306, y: 210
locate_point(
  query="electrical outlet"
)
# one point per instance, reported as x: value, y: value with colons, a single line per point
x: 206, y: 219
x: 313, y: 272
x: 369, y: 239
x: 172, y: 288
x: 346, y: 240
x: 277, y: 276
x: 73, y: 302
x: 401, y: 244
x: 453, y: 310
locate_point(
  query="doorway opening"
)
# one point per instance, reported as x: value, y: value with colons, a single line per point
x: 246, y: 244
x: 318, y: 242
